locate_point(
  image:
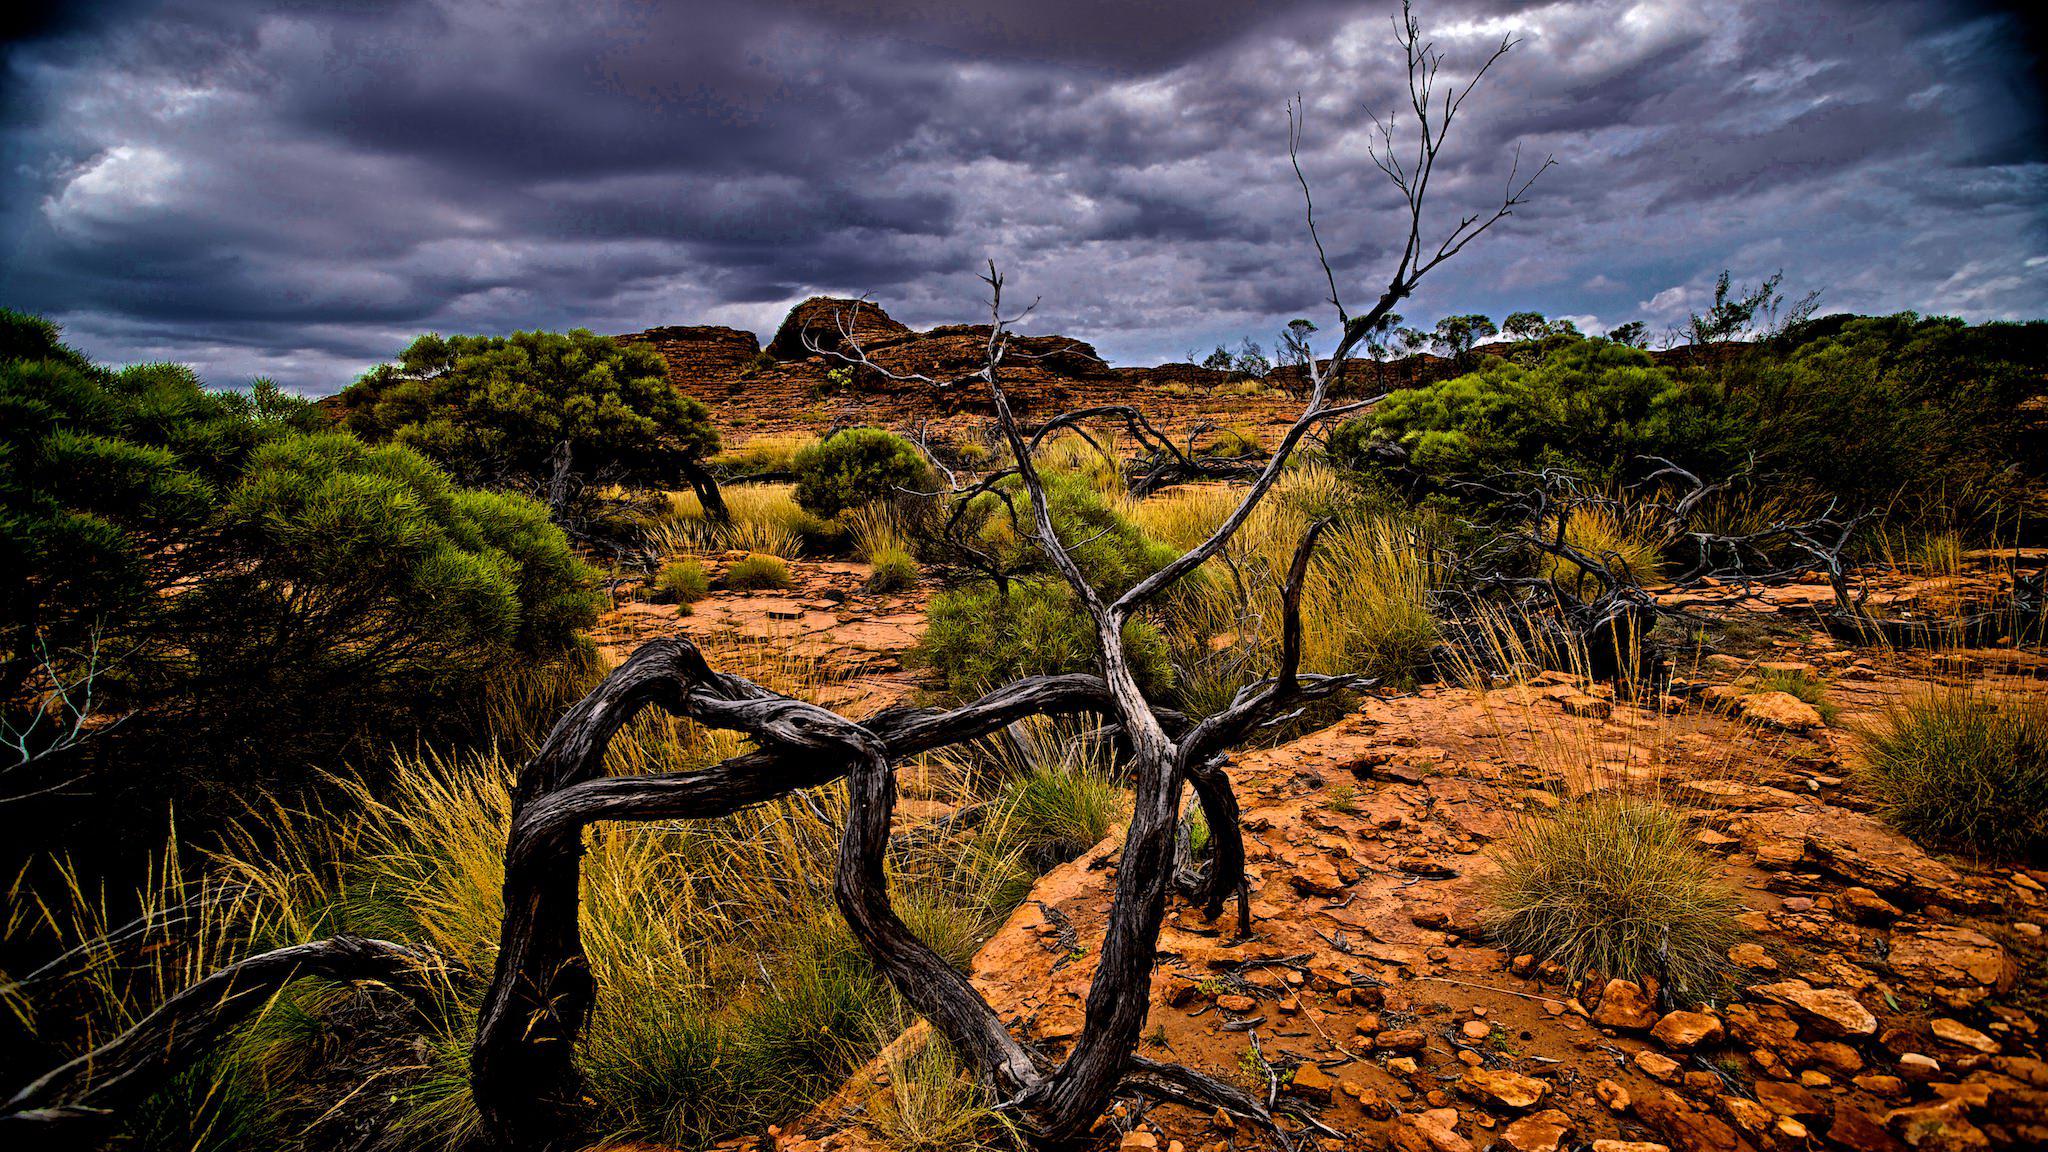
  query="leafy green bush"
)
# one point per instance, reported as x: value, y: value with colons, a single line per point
x: 1613, y: 884
x: 682, y: 582
x: 263, y: 593
x: 855, y: 467
x: 977, y: 637
x: 1961, y: 770
x: 758, y: 571
x: 1872, y: 409
x: 494, y: 409
x: 1113, y: 552
x: 1591, y: 405
x: 892, y: 570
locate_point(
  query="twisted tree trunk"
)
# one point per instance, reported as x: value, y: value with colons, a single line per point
x: 78, y: 1104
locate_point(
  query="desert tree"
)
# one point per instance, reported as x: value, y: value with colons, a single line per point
x: 1455, y: 335
x: 1739, y: 313
x: 1635, y: 334
x: 525, y: 1080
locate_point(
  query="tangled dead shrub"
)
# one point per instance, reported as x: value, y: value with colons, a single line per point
x: 1964, y: 770
x: 1612, y: 884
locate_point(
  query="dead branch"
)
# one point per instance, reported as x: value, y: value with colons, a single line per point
x: 78, y: 1103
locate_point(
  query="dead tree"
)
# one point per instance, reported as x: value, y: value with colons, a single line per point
x: 524, y: 1076
x: 523, y: 1072
x: 78, y: 1104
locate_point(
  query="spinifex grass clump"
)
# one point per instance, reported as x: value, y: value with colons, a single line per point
x: 1607, y: 536
x: 1056, y: 812
x: 1965, y: 770
x: 682, y: 582
x: 1612, y: 884
x: 758, y: 571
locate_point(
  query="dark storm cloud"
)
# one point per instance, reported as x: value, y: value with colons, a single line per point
x: 297, y: 188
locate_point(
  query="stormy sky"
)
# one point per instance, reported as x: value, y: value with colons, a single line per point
x: 296, y: 188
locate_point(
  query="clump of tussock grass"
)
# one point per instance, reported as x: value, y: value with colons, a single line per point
x: 1099, y: 462
x: 764, y: 518
x: 767, y: 454
x: 1054, y: 792
x: 1607, y: 535
x: 682, y: 582
x: 1238, y: 440
x: 1798, y: 683
x: 1056, y: 812
x: 891, y: 570
x: 758, y: 571
x: 1364, y: 607
x: 933, y: 1104
x: 1965, y: 770
x: 1612, y: 883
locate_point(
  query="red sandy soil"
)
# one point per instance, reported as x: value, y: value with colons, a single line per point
x: 1885, y: 999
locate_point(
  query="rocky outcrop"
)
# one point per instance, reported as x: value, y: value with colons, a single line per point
x: 825, y: 321
x: 705, y: 351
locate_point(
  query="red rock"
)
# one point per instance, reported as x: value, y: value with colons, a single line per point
x: 1629, y: 1146
x: 1831, y: 1010
x: 1780, y: 710
x: 1855, y: 1130
x: 1538, y: 1131
x: 1502, y: 1087
x: 1624, y: 1004
x: 1687, y: 1128
x: 1961, y: 1035
x: 1865, y: 906
x: 1371, y: 1101
x: 1312, y: 1083
x: 1951, y: 956
x: 1402, y: 1040
x: 1613, y: 1095
x: 1316, y: 876
x: 1938, y: 1126
x: 1438, y: 1127
x: 1656, y: 1065
x: 1686, y: 1031
x: 1789, y: 1100
x: 1232, y: 1002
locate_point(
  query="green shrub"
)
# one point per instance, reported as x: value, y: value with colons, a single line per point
x: 977, y: 637
x: 494, y: 409
x: 272, y: 592
x: 682, y: 582
x: 1613, y: 884
x: 1055, y: 812
x: 1112, y: 552
x: 758, y: 571
x: 1965, y: 771
x: 1591, y: 405
x: 892, y: 570
x: 857, y: 466
x: 1928, y: 416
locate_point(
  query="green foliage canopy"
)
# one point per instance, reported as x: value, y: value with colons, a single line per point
x: 1591, y: 404
x: 857, y: 466
x: 260, y: 590
x: 493, y: 409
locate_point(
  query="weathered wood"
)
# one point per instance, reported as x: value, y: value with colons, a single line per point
x: 522, y: 1062
x: 524, y: 1076
x: 79, y: 1103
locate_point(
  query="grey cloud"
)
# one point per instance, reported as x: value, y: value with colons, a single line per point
x: 296, y: 187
